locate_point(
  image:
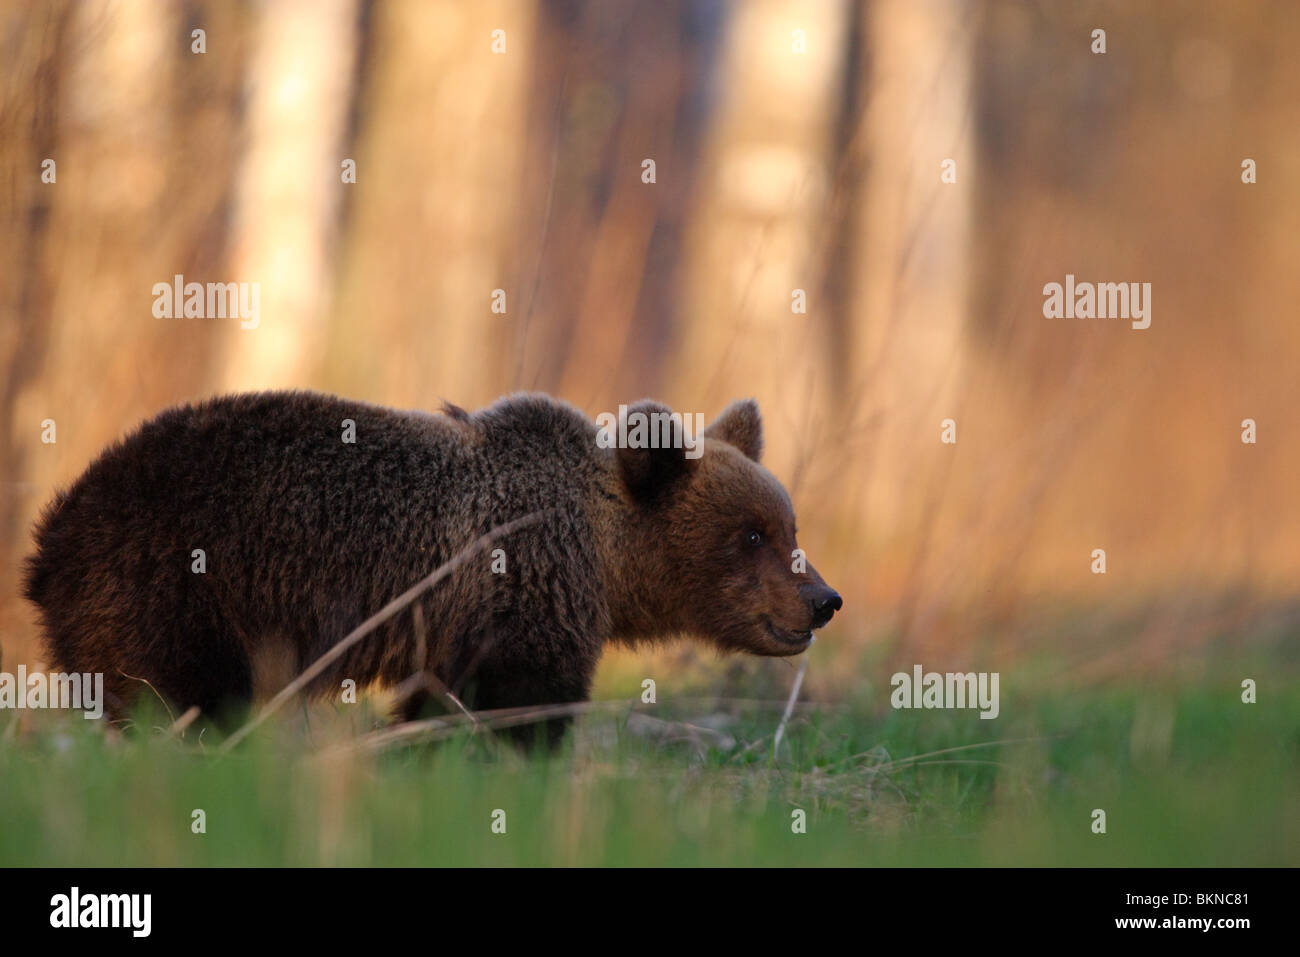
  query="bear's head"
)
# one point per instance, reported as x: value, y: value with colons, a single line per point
x: 712, y: 537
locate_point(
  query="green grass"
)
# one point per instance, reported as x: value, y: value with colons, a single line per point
x: 1187, y: 775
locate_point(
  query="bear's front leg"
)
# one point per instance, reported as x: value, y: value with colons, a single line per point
x: 496, y: 688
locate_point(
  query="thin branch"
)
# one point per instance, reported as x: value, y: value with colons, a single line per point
x: 789, y: 706
x: 961, y: 747
x: 185, y: 720
x: 436, y: 729
x: 153, y: 689
x: 428, y: 681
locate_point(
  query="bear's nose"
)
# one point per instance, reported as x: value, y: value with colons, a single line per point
x: 824, y: 602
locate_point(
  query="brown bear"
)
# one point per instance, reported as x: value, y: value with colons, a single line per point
x: 285, y: 519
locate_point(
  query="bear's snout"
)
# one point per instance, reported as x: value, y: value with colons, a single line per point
x: 823, y: 600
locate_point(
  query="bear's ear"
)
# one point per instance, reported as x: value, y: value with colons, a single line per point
x: 648, y: 472
x: 740, y: 425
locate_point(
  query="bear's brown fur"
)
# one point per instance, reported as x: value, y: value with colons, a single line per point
x: 306, y: 535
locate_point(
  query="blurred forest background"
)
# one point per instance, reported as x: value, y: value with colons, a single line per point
x: 797, y: 146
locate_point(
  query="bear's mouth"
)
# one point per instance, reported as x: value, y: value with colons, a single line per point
x: 798, y: 638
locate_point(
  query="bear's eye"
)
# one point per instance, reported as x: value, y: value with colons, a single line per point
x: 754, y: 538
